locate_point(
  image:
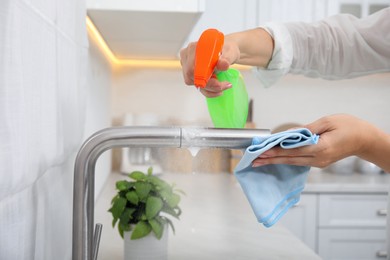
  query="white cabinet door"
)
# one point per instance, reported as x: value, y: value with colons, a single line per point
x: 352, y: 244
x: 228, y: 16
x: 148, y: 5
x: 350, y: 210
x: 301, y: 220
x: 291, y: 10
x: 358, y: 8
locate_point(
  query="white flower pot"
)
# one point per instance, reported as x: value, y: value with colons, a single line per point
x: 146, y: 248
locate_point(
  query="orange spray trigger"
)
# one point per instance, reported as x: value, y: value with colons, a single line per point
x: 207, y: 53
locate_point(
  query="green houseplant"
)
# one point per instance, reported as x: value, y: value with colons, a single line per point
x: 144, y: 205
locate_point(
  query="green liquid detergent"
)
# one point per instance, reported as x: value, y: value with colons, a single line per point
x: 230, y: 110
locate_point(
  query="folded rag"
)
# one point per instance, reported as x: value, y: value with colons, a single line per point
x: 272, y: 189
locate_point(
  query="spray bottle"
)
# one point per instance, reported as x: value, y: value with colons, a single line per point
x: 230, y: 110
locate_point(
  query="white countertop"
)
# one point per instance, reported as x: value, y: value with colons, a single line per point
x: 217, y: 223
x: 320, y: 181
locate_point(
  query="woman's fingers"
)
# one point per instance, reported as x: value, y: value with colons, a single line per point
x: 322, y: 125
x: 187, y: 61
x: 302, y: 156
x: 312, y: 155
x: 214, y: 88
x: 222, y: 65
x: 340, y: 136
x: 294, y: 160
x: 281, y: 152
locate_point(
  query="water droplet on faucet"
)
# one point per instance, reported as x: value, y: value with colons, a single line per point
x: 193, y: 150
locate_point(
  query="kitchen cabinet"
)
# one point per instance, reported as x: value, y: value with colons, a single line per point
x: 155, y: 29
x: 343, y: 243
x: 301, y: 220
x: 352, y: 210
x: 358, y: 8
x: 314, y: 10
x: 290, y: 10
x: 232, y: 16
x: 352, y: 226
x: 342, y: 217
x: 228, y: 16
x: 340, y: 226
x: 148, y: 29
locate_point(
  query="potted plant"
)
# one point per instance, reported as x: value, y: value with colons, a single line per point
x: 141, y: 209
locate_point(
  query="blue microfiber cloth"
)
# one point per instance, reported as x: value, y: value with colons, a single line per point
x: 272, y: 189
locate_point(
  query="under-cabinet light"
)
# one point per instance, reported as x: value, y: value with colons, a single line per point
x: 97, y: 37
x: 99, y: 40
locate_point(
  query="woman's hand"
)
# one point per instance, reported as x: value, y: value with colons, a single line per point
x: 252, y: 47
x: 214, y: 88
x: 340, y: 136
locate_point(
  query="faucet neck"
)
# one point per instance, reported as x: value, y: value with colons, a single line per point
x: 93, y: 147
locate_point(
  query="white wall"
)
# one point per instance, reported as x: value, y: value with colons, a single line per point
x: 159, y: 91
x: 98, y: 114
x: 54, y: 91
x: 294, y: 99
x: 303, y: 100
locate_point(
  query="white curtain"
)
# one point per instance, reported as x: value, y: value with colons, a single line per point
x: 43, y: 50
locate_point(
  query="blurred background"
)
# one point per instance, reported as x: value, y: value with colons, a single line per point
x: 71, y: 68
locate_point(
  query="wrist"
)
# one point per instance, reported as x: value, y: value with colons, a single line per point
x: 376, y: 148
x: 254, y: 47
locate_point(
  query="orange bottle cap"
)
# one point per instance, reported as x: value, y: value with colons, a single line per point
x: 208, y: 50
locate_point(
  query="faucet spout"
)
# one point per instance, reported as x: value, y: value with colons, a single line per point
x: 94, y: 146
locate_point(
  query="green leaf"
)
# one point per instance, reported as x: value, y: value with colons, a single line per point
x: 142, y: 229
x: 170, y: 224
x: 137, y: 175
x: 132, y: 197
x: 118, y: 207
x: 122, y: 185
x: 114, y: 198
x: 150, y: 170
x: 143, y: 217
x: 178, y: 211
x: 172, y: 212
x: 157, y: 228
x: 180, y: 191
x: 142, y: 189
x: 173, y: 200
x: 153, y: 206
x: 114, y: 221
x: 120, y: 230
x: 126, y: 216
x: 158, y: 182
x: 165, y: 194
x: 124, y: 226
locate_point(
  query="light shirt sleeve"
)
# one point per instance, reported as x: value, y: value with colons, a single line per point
x: 339, y: 47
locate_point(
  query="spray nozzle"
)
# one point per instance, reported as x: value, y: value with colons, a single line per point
x: 208, y: 50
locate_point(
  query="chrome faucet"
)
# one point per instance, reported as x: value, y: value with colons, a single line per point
x: 85, y: 243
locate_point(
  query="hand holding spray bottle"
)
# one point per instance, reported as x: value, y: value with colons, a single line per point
x: 230, y: 110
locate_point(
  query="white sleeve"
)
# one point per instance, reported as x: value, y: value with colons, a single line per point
x: 281, y: 58
x: 340, y: 46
